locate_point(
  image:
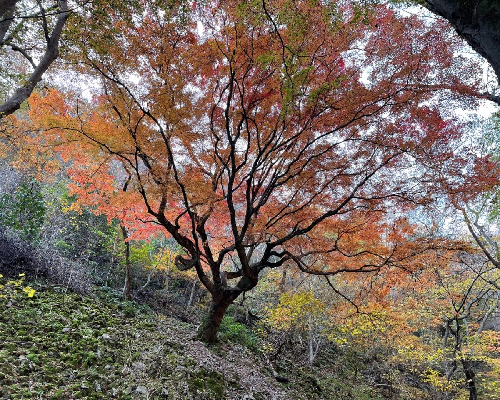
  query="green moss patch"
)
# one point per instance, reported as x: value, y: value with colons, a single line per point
x: 60, y: 345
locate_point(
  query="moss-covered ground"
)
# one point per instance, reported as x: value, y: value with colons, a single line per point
x: 61, y: 345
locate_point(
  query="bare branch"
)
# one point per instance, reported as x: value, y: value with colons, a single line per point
x: 14, y: 102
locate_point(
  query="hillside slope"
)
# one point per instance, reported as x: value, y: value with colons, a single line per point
x: 61, y: 345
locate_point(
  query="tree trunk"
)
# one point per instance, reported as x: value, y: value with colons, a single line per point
x: 469, y: 376
x: 207, y: 332
x: 311, y: 342
x: 282, y: 282
x: 126, y: 287
x: 191, y: 295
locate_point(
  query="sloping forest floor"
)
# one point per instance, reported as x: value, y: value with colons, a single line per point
x: 58, y: 344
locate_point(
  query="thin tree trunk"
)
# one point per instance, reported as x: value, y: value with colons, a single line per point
x: 148, y: 281
x: 167, y: 276
x: 191, y: 296
x: 311, y: 343
x: 282, y: 282
x: 126, y: 287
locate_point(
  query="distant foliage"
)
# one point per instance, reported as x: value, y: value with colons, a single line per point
x: 23, y: 210
x: 296, y: 311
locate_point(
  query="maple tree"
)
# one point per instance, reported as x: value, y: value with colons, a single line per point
x: 269, y: 134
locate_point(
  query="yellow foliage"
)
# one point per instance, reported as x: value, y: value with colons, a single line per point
x: 10, y: 289
x: 437, y: 380
x: 294, y: 310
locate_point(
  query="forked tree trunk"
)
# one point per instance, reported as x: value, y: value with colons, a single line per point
x: 222, y: 297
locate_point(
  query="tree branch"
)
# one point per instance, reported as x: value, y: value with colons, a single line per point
x: 14, y: 102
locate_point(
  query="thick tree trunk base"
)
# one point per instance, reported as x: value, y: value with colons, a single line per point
x: 207, y: 331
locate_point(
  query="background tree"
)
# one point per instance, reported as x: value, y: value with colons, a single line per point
x: 481, y: 216
x: 450, y: 307
x: 304, y: 313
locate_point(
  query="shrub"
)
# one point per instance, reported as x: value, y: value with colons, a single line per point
x: 231, y: 331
